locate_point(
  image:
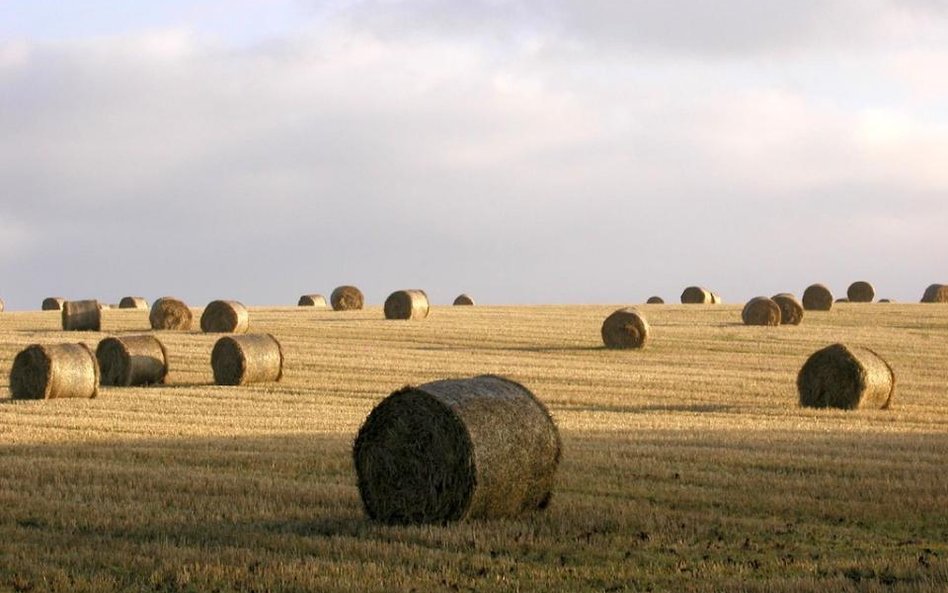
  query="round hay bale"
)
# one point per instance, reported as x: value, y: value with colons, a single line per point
x: 886, y: 301
x: 54, y: 371
x: 132, y: 360
x: 861, y: 292
x: 695, y: 295
x: 131, y: 302
x: 53, y: 303
x: 716, y: 299
x: 655, y: 300
x: 761, y: 311
x: 478, y: 448
x: 625, y: 328
x: 406, y: 304
x: 313, y: 300
x: 841, y: 376
x: 82, y: 315
x: 170, y: 313
x: 250, y: 358
x: 463, y: 300
x: 842, y: 300
x: 791, y: 310
x: 1, y: 305
x: 228, y: 317
x: 936, y: 293
x: 817, y: 297
x: 346, y: 298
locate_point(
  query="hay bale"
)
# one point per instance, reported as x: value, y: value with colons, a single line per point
x: 131, y: 302
x: 228, y: 317
x: 54, y: 371
x: 936, y: 293
x: 847, y: 377
x: 407, y: 304
x: 132, y: 360
x: 842, y: 300
x: 761, y: 311
x: 886, y: 301
x: 817, y: 297
x: 313, y: 300
x: 478, y: 448
x: 625, y: 328
x: 346, y: 298
x: 655, y: 300
x: 463, y: 300
x: 1, y: 305
x: 695, y: 295
x: 53, y: 303
x: 791, y: 310
x: 250, y: 358
x: 170, y: 313
x: 861, y: 292
x: 716, y: 299
x: 82, y: 315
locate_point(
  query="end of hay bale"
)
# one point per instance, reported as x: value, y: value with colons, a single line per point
x: 625, y: 328
x: 346, y: 298
x: 761, y: 311
x: 696, y: 295
x: 53, y: 304
x: 791, y: 310
x: 936, y: 293
x: 225, y: 317
x: 861, y: 292
x: 169, y: 313
x: 54, y: 371
x: 463, y: 300
x: 248, y: 358
x: 845, y: 377
x: 82, y: 315
x: 133, y: 302
x: 406, y: 304
x: 655, y: 300
x: 132, y: 360
x: 312, y: 300
x: 817, y: 297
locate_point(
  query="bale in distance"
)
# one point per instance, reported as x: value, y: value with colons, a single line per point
x: 54, y: 371
x: 478, y: 448
x: 1, y: 305
x: 791, y: 310
x: 132, y: 360
x: 625, y: 328
x: 817, y: 297
x: 406, y: 304
x: 225, y: 317
x: 249, y: 358
x: 53, y: 304
x: 82, y: 315
x: 695, y: 295
x: 761, y: 311
x: 312, y: 300
x: 842, y: 300
x: 133, y: 302
x: 847, y: 377
x: 463, y: 300
x: 170, y: 313
x: 861, y: 292
x: 346, y: 298
x: 936, y: 293
x: 716, y: 299
x: 886, y: 301
x: 655, y: 300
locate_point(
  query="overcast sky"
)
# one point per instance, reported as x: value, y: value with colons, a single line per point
x: 579, y: 151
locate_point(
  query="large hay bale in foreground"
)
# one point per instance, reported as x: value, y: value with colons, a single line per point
x: 406, y: 304
x: 861, y: 292
x: 132, y: 360
x: 54, y: 371
x: 313, y: 300
x: 847, y: 377
x: 625, y: 328
x: 82, y: 315
x: 170, y: 313
x: 250, y: 358
x: 791, y: 310
x: 936, y: 293
x: 53, y: 303
x: 655, y: 300
x: 346, y: 298
x: 463, y: 300
x: 695, y: 295
x: 761, y: 311
x: 228, y: 317
x: 133, y: 302
x: 478, y: 448
x: 817, y: 297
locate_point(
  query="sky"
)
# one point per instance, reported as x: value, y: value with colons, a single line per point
x: 566, y: 151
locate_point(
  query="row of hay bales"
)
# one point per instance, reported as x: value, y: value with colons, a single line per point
x: 350, y: 298
x: 167, y: 313
x: 816, y: 297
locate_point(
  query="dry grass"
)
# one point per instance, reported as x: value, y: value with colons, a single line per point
x: 686, y: 467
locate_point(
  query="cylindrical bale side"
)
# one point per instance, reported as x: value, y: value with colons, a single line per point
x: 463, y: 300
x: 249, y: 358
x: 132, y: 360
x: 936, y: 293
x: 346, y: 298
x: 133, y: 302
x: 406, y: 304
x: 170, y: 313
x: 761, y: 311
x: 312, y: 300
x: 848, y: 377
x: 861, y: 292
x: 53, y: 304
x: 655, y: 300
x: 625, y: 328
x: 791, y: 310
x: 225, y: 317
x: 695, y: 295
x: 478, y: 448
x: 817, y: 297
x: 54, y: 371
x: 82, y: 316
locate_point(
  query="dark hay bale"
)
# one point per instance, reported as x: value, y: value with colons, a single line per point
x: 791, y: 310
x: 695, y: 295
x: 313, y: 300
x: 132, y: 360
x: 131, y: 302
x: 406, y: 304
x: 463, y: 300
x: 847, y: 377
x: 170, y: 313
x: 54, y: 371
x: 842, y: 300
x: 82, y: 316
x: 346, y: 298
x: 761, y: 311
x: 655, y: 300
x: 936, y: 293
x: 228, y: 317
x: 625, y: 328
x: 478, y: 448
x: 861, y: 292
x: 817, y: 297
x: 250, y: 358
x: 53, y: 303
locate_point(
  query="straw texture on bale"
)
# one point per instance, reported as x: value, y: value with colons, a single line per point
x: 463, y: 300
x: 346, y: 298
x: 847, y: 377
x: 478, y: 448
x: 936, y: 293
x: 250, y: 358
x: 861, y: 292
x: 82, y: 316
x: 791, y: 310
x: 131, y: 302
x: 170, y: 313
x: 54, y: 371
x: 625, y: 328
x: 406, y: 304
x: 132, y: 360
x: 817, y: 297
x: 228, y: 317
x: 655, y: 300
x: 53, y: 303
x: 313, y: 300
x: 695, y: 295
x: 761, y: 311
